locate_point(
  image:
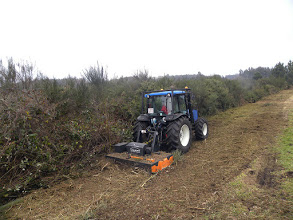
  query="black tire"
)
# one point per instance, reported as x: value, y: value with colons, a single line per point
x: 175, y: 130
x: 201, y: 129
x: 138, y: 126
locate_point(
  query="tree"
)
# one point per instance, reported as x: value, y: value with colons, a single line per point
x: 279, y: 71
x: 257, y: 76
x: 289, y: 75
x: 96, y: 75
x: 8, y: 75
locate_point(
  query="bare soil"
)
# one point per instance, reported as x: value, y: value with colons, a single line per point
x: 194, y: 187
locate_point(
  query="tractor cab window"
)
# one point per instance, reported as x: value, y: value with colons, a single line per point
x: 159, y: 105
x: 179, y: 104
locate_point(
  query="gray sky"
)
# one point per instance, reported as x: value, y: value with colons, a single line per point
x: 163, y: 36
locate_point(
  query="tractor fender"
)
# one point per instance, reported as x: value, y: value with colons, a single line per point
x: 143, y: 117
x: 174, y: 117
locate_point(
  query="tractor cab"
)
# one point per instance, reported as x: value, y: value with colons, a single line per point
x: 166, y: 103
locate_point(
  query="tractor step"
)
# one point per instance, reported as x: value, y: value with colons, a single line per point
x: 153, y: 163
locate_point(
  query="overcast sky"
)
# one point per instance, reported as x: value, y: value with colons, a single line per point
x: 163, y: 36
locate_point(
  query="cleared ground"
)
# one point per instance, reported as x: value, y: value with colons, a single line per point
x: 198, y: 186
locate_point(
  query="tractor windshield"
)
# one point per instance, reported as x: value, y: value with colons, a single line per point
x: 161, y: 105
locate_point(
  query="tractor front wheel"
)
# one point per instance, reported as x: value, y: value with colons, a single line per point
x: 179, y: 134
x: 201, y: 129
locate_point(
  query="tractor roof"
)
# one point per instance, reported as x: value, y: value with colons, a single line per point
x: 175, y: 92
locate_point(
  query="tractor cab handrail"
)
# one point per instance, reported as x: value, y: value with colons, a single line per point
x: 175, y: 92
x: 165, y: 92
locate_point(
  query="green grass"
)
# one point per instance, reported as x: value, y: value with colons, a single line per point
x: 286, y: 146
x: 285, y: 159
x: 177, y: 156
x: 240, y: 189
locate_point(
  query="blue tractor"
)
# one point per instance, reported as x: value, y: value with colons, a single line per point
x: 167, y: 122
x: 169, y: 116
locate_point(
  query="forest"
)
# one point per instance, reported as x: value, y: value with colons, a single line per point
x: 52, y: 127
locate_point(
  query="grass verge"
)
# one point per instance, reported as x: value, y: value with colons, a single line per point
x: 285, y: 151
x: 265, y: 189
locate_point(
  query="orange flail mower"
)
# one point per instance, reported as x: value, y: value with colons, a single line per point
x: 159, y: 162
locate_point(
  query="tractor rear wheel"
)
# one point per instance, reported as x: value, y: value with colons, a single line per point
x: 138, y: 126
x: 201, y: 129
x: 179, y: 134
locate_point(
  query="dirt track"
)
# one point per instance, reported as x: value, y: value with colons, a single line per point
x: 184, y: 191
